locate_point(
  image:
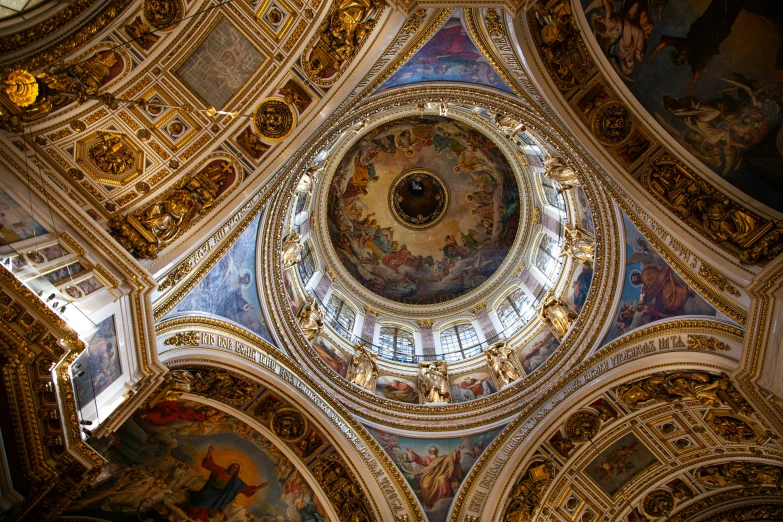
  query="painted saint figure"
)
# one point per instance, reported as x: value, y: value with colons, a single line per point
x: 220, y: 489
x: 439, y: 474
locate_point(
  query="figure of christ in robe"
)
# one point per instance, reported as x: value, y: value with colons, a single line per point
x: 438, y: 474
x: 220, y: 489
x: 362, y: 176
x: 660, y: 283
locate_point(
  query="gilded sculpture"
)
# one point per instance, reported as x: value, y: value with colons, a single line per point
x: 111, y: 155
x: 731, y: 428
x: 562, y: 49
x: 305, y: 183
x: 311, y: 319
x: 739, y: 473
x: 433, y: 382
x: 342, y: 491
x: 288, y: 424
x: 175, y: 384
x: 528, y: 492
x: 292, y: 250
x: 555, y: 313
x: 339, y: 37
x: 502, y: 367
x: 710, y: 390
x: 222, y: 385
x: 363, y: 369
x: 147, y: 231
x: 706, y: 343
x: 581, y: 427
x: 558, y: 171
x: 578, y: 245
x: 706, y: 209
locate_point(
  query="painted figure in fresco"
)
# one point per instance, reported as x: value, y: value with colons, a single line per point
x: 581, y: 287
x: 400, y: 391
x: 619, y: 460
x: 539, y: 352
x: 221, y: 489
x: 624, y: 35
x: 438, y: 475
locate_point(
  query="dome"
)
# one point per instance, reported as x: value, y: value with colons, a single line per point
x: 423, y: 209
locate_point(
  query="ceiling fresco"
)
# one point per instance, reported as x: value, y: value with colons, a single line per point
x: 460, y: 249
x: 449, y: 56
x: 711, y: 73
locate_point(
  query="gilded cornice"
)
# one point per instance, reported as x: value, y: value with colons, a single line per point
x: 718, y: 501
x: 271, y: 360
x: 41, y: 30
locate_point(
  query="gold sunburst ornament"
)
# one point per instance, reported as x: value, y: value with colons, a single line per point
x: 21, y: 87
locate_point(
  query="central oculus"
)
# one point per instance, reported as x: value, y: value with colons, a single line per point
x: 418, y: 199
x: 422, y: 209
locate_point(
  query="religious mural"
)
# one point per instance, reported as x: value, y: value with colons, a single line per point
x: 619, y: 463
x: 397, y: 389
x: 188, y: 461
x: 711, y: 73
x: 16, y: 223
x: 651, y: 289
x: 537, y: 351
x: 457, y: 252
x: 472, y: 386
x: 583, y: 210
x: 333, y: 356
x: 435, y: 468
x: 449, y: 56
x: 579, y: 287
x: 221, y: 65
x: 291, y: 294
x: 229, y: 290
x: 100, y: 363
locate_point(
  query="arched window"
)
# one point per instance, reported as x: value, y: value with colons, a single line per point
x: 515, y: 311
x: 459, y: 342
x: 341, y: 316
x: 550, y: 192
x: 396, y: 344
x: 307, y: 266
x: 547, y: 257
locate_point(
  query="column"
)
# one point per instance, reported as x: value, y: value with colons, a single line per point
x: 368, y: 328
x: 427, y: 339
x: 482, y: 317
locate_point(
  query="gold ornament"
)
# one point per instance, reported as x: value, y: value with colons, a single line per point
x: 162, y: 14
x: 274, y: 119
x: 21, y: 87
x: 363, y: 370
x: 581, y: 427
x: 504, y: 370
x: 658, y: 503
x: 433, y: 382
x: 288, y: 424
x: 612, y: 124
x: 558, y: 171
x: 555, y: 313
x: 528, y: 492
x: 311, y: 319
x: 702, y: 342
x: 578, y: 245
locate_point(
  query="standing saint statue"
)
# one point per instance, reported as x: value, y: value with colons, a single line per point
x: 497, y: 356
x: 558, y: 171
x: 292, y: 250
x: 311, y: 319
x: 363, y: 370
x: 434, y: 382
x: 556, y: 314
x: 578, y: 245
x: 305, y: 184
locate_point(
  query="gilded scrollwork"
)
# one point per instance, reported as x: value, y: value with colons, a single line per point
x: 719, y: 280
x: 190, y: 338
x: 147, y: 231
x: 704, y: 342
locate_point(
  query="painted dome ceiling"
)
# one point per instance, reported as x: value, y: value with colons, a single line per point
x: 423, y: 209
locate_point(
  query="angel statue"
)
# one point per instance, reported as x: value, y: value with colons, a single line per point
x: 292, y: 250
x: 434, y: 382
x: 558, y: 171
x: 578, y: 245
x: 497, y: 356
x: 311, y: 319
x: 305, y: 184
x: 554, y: 313
x: 363, y: 370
